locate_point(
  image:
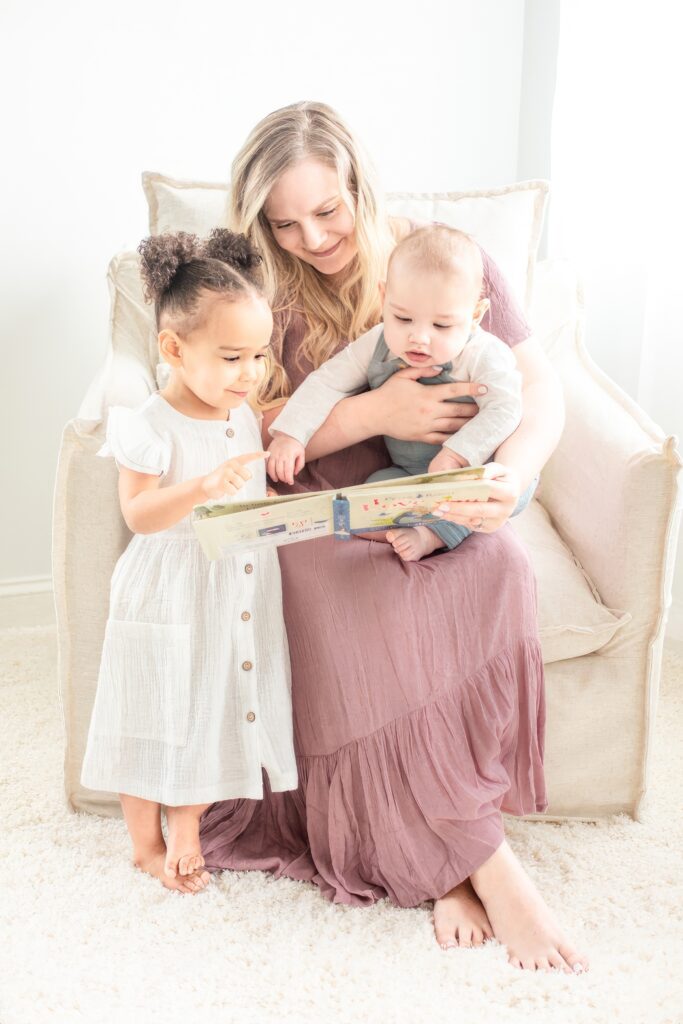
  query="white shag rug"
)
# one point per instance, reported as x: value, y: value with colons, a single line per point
x: 86, y: 938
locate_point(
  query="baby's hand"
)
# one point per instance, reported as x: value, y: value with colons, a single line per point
x: 231, y: 476
x: 287, y: 458
x: 446, y: 459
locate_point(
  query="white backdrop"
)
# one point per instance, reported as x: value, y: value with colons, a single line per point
x: 95, y: 94
x: 617, y: 204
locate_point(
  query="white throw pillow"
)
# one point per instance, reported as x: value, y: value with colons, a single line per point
x: 506, y: 221
x: 194, y: 206
x: 572, y: 619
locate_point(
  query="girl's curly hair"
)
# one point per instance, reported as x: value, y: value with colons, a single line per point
x: 178, y: 268
x: 234, y: 249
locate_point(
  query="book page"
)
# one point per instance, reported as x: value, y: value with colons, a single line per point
x: 233, y: 527
x: 407, y: 505
x: 265, y: 523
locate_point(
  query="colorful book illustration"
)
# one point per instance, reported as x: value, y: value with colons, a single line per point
x: 226, y: 529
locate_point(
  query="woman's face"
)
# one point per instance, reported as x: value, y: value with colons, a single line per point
x: 309, y: 219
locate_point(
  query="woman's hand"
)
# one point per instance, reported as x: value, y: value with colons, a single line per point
x: 231, y: 476
x: 485, y: 516
x: 419, y: 412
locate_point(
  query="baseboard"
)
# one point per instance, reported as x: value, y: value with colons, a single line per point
x: 25, y: 585
x: 673, y: 638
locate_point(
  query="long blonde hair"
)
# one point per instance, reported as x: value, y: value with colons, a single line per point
x: 282, y: 139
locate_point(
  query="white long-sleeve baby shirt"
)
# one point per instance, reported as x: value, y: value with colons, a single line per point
x: 367, y: 362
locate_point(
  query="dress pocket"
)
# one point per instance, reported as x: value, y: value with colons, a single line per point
x: 144, y: 687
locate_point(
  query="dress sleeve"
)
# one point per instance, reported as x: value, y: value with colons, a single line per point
x: 134, y: 442
x: 505, y: 318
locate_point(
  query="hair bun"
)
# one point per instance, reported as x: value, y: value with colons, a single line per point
x: 162, y: 256
x: 233, y: 249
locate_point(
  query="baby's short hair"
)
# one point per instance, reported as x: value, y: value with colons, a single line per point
x: 440, y: 249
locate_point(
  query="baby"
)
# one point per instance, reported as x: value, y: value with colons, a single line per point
x: 432, y: 309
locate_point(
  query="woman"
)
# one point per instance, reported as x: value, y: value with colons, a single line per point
x: 417, y: 687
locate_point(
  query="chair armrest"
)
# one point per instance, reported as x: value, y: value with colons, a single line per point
x: 613, y: 487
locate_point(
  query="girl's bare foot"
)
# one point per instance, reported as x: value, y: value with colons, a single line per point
x: 414, y: 543
x: 520, y: 917
x: 460, y: 919
x: 153, y: 862
x: 184, y: 853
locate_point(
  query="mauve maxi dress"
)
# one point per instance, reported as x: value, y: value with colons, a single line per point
x: 418, y: 701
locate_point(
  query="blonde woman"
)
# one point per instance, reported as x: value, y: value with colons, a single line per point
x: 417, y: 687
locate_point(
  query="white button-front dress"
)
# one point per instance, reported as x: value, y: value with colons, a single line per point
x: 193, y: 693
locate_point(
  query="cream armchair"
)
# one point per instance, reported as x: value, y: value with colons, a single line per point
x: 602, y: 535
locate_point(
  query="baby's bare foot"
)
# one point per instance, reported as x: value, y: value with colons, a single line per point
x: 379, y: 536
x: 414, y: 543
x: 520, y: 917
x: 153, y: 862
x: 460, y: 919
x: 184, y: 853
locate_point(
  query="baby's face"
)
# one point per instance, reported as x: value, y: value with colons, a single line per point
x: 428, y: 316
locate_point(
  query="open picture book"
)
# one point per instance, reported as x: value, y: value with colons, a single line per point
x: 226, y: 529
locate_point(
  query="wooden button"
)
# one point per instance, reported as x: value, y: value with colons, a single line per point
x: 245, y: 616
x: 251, y: 717
x: 229, y: 432
x: 249, y: 568
x: 247, y: 666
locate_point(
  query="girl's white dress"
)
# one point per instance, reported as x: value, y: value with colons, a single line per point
x: 193, y: 694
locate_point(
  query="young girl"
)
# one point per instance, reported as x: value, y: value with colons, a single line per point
x: 193, y: 695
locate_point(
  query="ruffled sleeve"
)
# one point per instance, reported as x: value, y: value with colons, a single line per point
x: 135, y: 443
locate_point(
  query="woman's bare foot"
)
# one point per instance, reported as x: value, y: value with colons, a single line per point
x: 153, y: 862
x: 184, y: 852
x: 520, y: 917
x: 414, y: 543
x: 460, y: 919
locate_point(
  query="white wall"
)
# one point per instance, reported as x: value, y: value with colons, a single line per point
x: 617, y: 207
x: 539, y: 69
x: 97, y: 94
